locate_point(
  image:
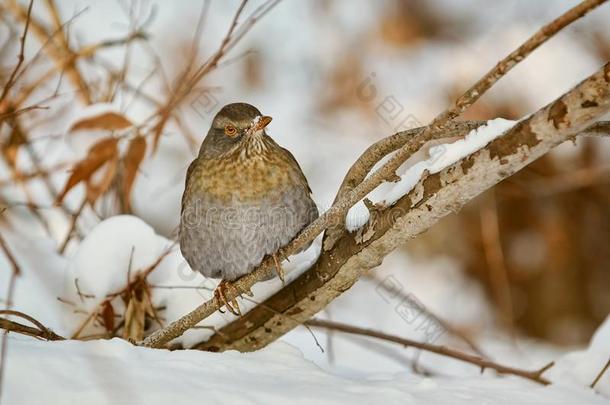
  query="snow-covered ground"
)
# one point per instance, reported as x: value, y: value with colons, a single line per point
x: 298, y: 44
x: 115, y: 372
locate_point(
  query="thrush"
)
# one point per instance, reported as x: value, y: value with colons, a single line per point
x: 245, y: 197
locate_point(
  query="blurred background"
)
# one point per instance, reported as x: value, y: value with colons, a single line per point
x: 528, y: 261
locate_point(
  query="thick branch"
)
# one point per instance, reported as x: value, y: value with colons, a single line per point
x: 433, y: 197
x: 377, y: 151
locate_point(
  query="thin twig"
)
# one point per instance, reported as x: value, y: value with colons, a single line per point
x: 494, y: 254
x: 64, y: 48
x: 21, y: 56
x: 44, y: 331
x: 534, y: 375
x: 11, y: 326
x: 601, y: 373
x: 55, y: 50
x: 15, y: 272
x: 73, y: 225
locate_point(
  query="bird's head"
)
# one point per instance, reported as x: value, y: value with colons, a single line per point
x: 234, y: 126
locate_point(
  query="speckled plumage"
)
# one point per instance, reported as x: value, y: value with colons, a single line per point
x: 245, y: 197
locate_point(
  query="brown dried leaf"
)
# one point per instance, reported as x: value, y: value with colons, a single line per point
x: 134, y: 318
x: 108, y: 316
x: 101, y: 152
x: 108, y: 120
x: 11, y: 147
x: 96, y: 189
x: 133, y: 158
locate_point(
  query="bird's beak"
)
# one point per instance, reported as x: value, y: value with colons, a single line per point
x: 260, y: 123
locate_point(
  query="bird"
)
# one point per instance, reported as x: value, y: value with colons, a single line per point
x: 245, y: 197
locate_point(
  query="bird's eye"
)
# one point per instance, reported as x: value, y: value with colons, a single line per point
x: 230, y: 130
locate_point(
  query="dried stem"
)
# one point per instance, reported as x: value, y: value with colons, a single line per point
x: 58, y: 53
x: 21, y: 56
x: 600, y: 374
x: 10, y: 326
x: 73, y: 225
x: 40, y: 330
x: 534, y: 375
x: 15, y: 271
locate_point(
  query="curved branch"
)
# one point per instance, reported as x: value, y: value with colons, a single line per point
x: 39, y: 331
x: 601, y: 128
x: 534, y: 375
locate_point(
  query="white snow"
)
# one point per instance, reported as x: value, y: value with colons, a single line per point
x: 357, y: 216
x: 580, y: 368
x: 114, y: 371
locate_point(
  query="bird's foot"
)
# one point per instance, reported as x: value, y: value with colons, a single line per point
x: 220, y: 293
x: 278, y: 267
x: 281, y: 253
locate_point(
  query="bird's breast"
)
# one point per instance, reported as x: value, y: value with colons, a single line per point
x: 244, y: 180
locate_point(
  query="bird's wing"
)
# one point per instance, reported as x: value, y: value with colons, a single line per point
x: 189, y: 171
x: 293, y: 159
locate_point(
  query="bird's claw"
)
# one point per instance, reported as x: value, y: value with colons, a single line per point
x: 282, y: 254
x: 278, y: 267
x: 220, y: 293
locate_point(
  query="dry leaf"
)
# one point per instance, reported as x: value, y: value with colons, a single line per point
x: 100, y: 153
x: 133, y: 158
x: 96, y: 189
x: 108, y: 120
x: 11, y: 147
x: 133, y: 329
x: 108, y: 316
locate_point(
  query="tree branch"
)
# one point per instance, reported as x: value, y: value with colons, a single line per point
x: 21, y: 56
x: 535, y: 375
x: 40, y: 330
x: 377, y: 151
x: 600, y: 374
